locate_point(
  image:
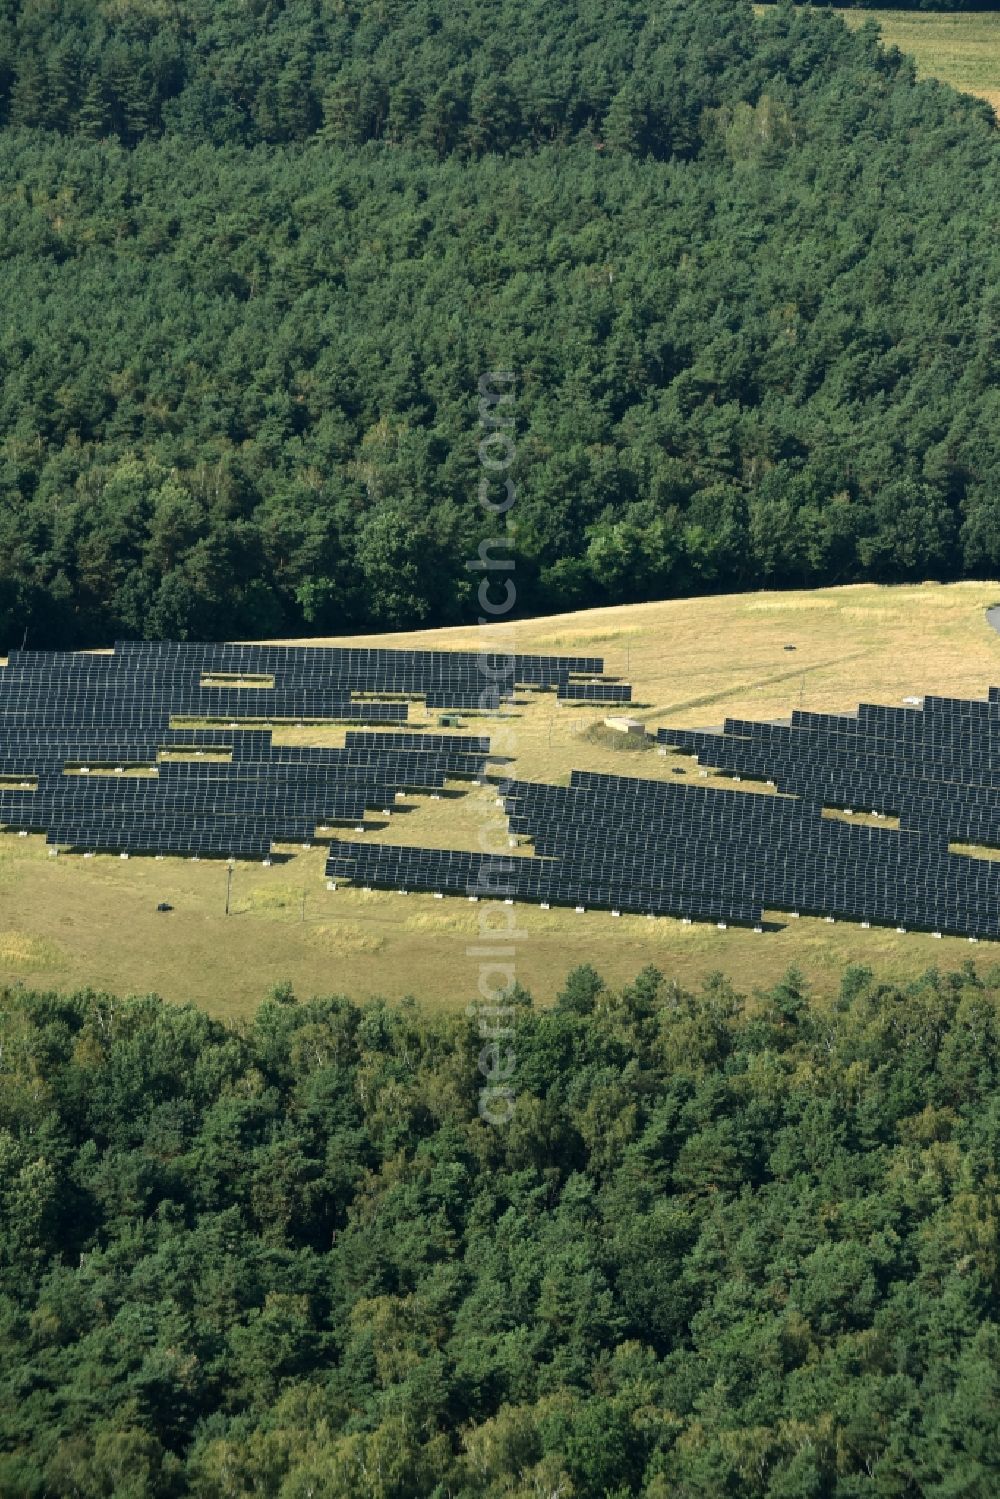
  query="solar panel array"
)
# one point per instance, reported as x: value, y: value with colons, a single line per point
x: 266, y: 793
x: 595, y: 692
x: 58, y: 691
x: 627, y: 844
x: 61, y: 711
x: 935, y: 768
x: 662, y: 848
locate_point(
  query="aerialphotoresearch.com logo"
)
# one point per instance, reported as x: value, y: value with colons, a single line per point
x: 496, y: 596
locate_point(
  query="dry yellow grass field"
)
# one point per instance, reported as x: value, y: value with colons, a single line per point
x: 68, y: 921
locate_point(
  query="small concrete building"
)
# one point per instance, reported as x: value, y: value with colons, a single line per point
x: 625, y: 725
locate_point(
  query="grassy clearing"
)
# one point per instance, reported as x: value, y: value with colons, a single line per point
x: 975, y: 851
x: 68, y: 921
x: 29, y: 954
x: 961, y: 48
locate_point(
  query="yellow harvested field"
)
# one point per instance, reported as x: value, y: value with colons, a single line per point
x: 69, y: 921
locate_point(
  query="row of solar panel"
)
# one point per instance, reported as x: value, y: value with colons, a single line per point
x: 894, y: 779
x: 265, y: 658
x: 176, y: 696
x: 343, y: 802
x: 187, y: 684
x: 934, y: 743
x: 484, y: 875
x: 270, y: 781
x: 389, y: 677
x: 243, y: 747
x: 972, y: 764
x: 240, y: 843
x: 595, y: 692
x: 179, y: 671
x: 941, y: 714
x: 929, y: 751
x: 453, y: 743
x: 243, y: 741
x: 120, y: 713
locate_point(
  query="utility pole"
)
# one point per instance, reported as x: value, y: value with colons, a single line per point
x: 229, y: 884
x: 303, y: 903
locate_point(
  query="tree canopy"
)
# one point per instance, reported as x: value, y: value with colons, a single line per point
x: 723, y: 1246
x: 745, y: 272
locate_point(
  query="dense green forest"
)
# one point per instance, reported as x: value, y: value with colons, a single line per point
x: 254, y: 259
x: 723, y: 1247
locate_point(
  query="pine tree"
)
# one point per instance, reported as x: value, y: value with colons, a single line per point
x: 297, y: 107
x: 29, y: 96
x: 138, y: 106
x: 63, y: 74
x: 624, y: 123
x: 92, y: 116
